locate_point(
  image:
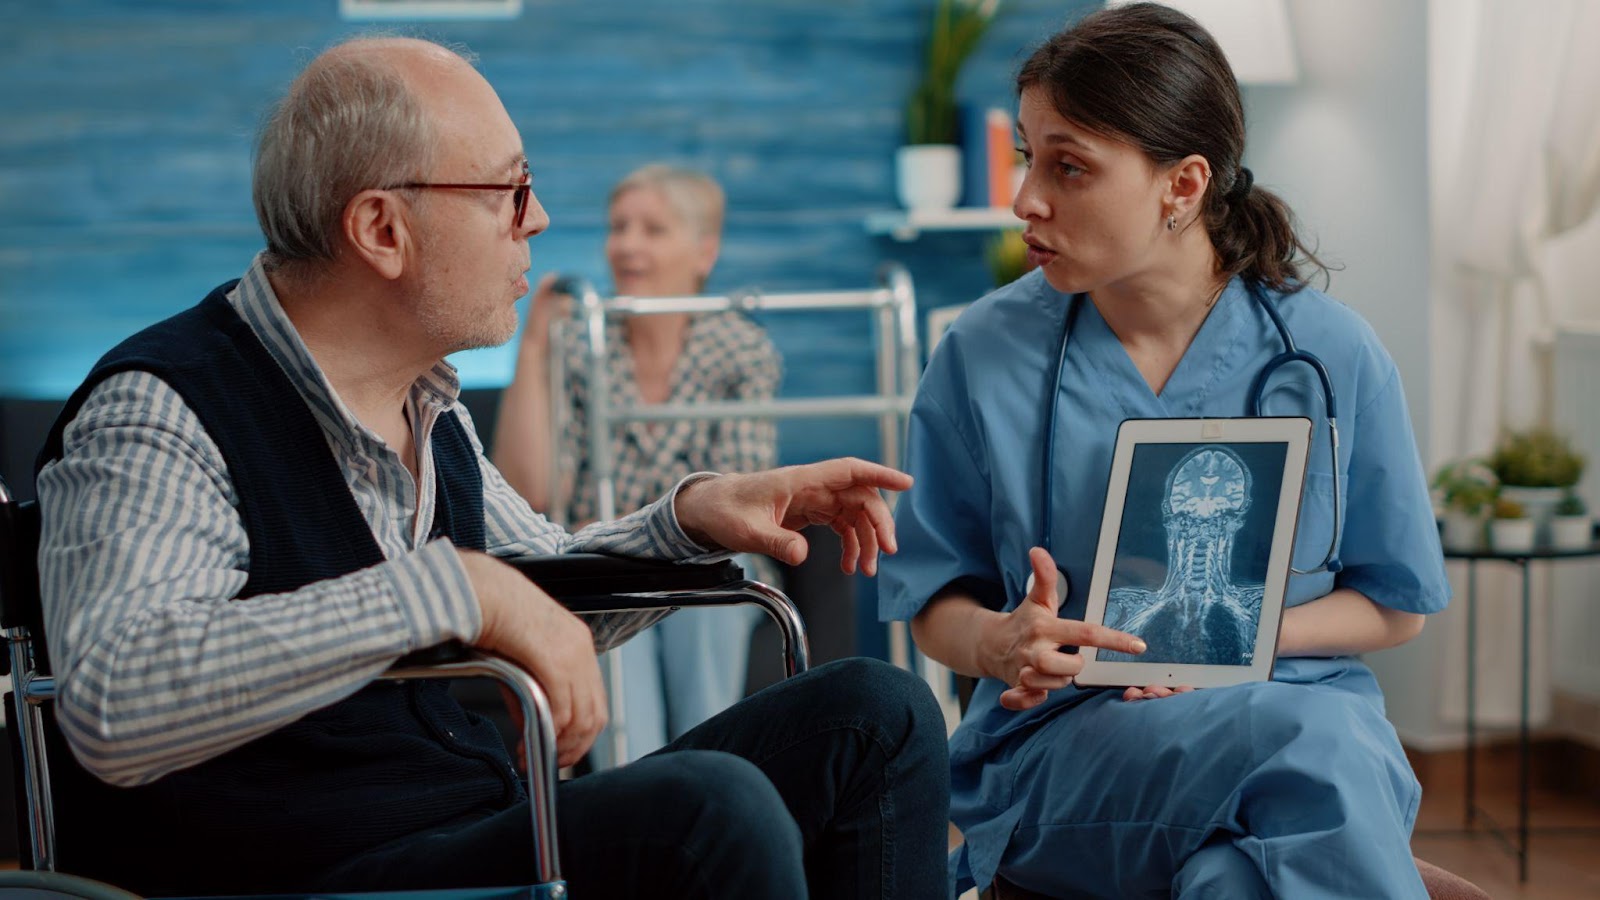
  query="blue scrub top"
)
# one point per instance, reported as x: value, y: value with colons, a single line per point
x: 976, y: 443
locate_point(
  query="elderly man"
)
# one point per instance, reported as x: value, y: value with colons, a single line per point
x: 255, y: 507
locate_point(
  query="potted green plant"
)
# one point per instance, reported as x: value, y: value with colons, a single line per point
x: 1535, y: 467
x: 1510, y: 531
x: 1465, y: 489
x: 928, y: 166
x: 1570, y: 527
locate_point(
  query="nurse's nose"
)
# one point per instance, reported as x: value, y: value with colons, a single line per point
x: 1029, y: 203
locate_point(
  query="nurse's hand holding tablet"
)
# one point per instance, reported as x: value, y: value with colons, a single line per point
x: 1023, y: 648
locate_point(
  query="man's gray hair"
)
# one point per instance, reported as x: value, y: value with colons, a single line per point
x: 694, y: 196
x: 347, y: 124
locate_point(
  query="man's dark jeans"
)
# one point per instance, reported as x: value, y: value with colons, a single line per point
x: 832, y: 784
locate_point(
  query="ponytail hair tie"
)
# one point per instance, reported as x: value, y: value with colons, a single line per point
x: 1241, y: 184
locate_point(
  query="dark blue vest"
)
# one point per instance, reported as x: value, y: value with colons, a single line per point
x: 388, y: 761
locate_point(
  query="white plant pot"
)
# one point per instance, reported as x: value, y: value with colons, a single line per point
x: 928, y: 176
x: 1462, y: 532
x: 1511, y: 535
x: 1571, y: 532
x: 1539, y: 503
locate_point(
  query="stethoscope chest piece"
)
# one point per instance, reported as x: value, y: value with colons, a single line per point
x: 1061, y: 587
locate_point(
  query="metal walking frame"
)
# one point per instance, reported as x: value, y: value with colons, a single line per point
x: 898, y: 362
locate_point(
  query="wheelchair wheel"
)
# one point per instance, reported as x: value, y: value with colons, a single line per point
x: 27, y: 885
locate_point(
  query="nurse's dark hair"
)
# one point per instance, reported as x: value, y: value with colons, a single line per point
x: 1150, y: 75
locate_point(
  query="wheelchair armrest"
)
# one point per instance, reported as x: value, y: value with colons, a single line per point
x: 437, y: 655
x: 572, y: 576
x: 591, y: 582
x: 452, y: 660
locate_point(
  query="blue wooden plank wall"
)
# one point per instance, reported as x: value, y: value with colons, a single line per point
x: 125, y: 134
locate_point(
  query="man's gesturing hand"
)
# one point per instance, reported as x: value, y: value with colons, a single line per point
x: 758, y: 513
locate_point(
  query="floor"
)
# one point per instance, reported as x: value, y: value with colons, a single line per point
x: 1563, y: 864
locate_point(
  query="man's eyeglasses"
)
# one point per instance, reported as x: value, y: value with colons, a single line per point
x: 519, y: 192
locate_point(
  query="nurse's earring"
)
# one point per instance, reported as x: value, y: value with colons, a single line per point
x: 1172, y: 222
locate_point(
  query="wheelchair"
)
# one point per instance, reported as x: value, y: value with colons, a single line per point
x: 587, y: 584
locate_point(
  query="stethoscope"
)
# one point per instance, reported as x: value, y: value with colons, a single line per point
x: 1330, y: 560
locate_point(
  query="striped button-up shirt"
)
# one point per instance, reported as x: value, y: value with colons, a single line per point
x: 143, y: 550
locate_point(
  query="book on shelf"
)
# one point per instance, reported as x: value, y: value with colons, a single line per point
x: 989, y: 156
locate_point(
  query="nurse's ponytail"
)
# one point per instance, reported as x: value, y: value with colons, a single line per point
x: 1150, y: 75
x: 1254, y: 233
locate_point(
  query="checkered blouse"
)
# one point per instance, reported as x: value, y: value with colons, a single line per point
x: 725, y: 357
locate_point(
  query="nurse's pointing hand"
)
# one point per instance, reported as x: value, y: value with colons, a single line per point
x: 1024, y: 648
x: 760, y: 512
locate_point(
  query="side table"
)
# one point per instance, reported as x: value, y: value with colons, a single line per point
x: 1524, y: 560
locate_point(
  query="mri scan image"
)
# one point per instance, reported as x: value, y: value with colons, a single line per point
x: 1192, y: 552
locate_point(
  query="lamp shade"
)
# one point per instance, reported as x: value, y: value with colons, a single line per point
x: 1253, y: 33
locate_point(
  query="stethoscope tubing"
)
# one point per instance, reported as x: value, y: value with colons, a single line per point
x: 1330, y: 560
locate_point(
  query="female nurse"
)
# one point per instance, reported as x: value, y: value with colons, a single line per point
x: 1151, y: 237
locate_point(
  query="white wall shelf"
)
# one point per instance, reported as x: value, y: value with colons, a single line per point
x: 903, y: 225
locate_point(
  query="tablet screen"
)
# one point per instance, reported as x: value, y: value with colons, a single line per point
x: 1192, y: 552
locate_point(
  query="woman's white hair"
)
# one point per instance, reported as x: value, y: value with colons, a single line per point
x: 348, y: 123
x: 694, y: 196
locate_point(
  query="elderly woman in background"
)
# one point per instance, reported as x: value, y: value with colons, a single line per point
x: 663, y: 237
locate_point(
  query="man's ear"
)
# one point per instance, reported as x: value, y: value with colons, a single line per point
x: 1186, y: 186
x: 378, y: 232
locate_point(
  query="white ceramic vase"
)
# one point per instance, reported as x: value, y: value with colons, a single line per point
x: 928, y: 176
x: 1511, y: 535
x: 1540, y: 505
x: 1462, y: 532
x: 1571, y: 532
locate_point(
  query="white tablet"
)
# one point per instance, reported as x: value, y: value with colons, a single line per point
x: 1194, y: 549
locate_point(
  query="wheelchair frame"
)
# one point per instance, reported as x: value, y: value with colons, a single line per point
x: 588, y: 584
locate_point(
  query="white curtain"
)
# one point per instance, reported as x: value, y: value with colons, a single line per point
x: 1510, y: 228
